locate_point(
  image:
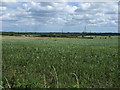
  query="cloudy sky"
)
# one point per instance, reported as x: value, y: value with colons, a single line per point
x: 59, y: 16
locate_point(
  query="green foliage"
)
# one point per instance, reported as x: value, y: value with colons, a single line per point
x: 29, y: 63
x: 59, y: 34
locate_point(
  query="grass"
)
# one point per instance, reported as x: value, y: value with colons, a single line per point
x: 60, y: 63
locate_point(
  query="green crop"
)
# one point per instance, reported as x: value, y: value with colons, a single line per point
x: 60, y: 63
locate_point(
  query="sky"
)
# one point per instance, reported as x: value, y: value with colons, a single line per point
x: 59, y: 16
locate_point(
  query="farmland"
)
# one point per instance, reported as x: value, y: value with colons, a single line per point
x: 60, y: 63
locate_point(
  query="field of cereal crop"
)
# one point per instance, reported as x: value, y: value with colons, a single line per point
x: 60, y: 63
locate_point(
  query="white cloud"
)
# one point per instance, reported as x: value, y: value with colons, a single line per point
x: 85, y: 6
x: 3, y: 8
x: 8, y: 1
x: 60, y: 0
x: 32, y: 13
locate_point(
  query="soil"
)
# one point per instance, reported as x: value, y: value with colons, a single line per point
x: 20, y: 37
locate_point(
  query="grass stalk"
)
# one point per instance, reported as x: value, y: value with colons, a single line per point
x: 56, y: 76
x: 45, y: 83
x: 76, y: 77
x: 7, y: 82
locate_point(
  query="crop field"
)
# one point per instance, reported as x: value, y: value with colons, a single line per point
x: 60, y: 63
